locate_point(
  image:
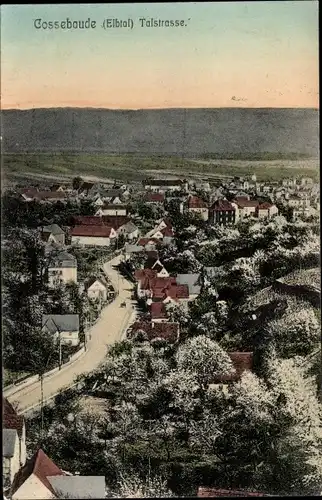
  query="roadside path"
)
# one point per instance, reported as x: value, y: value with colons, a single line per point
x: 108, y: 329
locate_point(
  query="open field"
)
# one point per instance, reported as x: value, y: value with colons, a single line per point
x: 130, y: 167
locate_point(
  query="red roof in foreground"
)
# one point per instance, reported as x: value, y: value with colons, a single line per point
x: 166, y: 331
x: 11, y: 420
x: 242, y: 361
x: 214, y: 492
x: 167, y: 231
x: 141, y: 274
x: 158, y: 310
x: 95, y: 231
x: 41, y: 466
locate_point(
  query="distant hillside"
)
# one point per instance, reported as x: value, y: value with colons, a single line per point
x: 167, y: 131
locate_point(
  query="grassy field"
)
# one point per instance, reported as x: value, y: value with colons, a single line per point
x: 131, y: 168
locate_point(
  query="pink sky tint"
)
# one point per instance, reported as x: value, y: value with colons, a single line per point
x: 234, y: 54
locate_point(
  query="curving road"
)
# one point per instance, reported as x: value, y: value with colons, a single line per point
x: 108, y: 329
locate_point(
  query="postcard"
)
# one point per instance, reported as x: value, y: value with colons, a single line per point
x: 161, y: 322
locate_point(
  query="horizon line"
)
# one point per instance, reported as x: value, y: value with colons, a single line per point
x: 158, y: 108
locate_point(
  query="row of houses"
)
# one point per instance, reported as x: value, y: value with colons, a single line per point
x: 156, y: 288
x: 224, y: 212
x: 38, y: 477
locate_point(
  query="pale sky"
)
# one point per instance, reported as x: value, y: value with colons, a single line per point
x: 237, y: 54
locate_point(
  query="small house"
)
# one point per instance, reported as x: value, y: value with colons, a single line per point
x: 52, y: 234
x: 12, y: 420
x: 10, y: 455
x: 62, y: 268
x: 63, y: 327
x: 97, y: 288
x: 153, y: 331
x: 196, y: 205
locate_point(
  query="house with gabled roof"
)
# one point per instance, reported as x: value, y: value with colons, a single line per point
x: 10, y: 455
x: 52, y: 234
x: 148, y: 243
x: 154, y: 331
x: 13, y: 421
x: 62, y: 268
x: 97, y: 288
x: 158, y: 312
x: 196, y: 205
x: 155, y: 264
x: 31, y: 481
x: 92, y: 235
x: 222, y: 212
x: 266, y: 209
x: 154, y: 198
x: 63, y: 327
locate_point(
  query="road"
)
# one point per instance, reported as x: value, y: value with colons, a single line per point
x: 106, y: 331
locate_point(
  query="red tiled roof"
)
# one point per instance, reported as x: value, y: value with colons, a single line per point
x: 158, y: 310
x: 95, y: 231
x: 88, y: 220
x: 11, y: 420
x: 195, y: 202
x: 144, y: 241
x: 221, y: 205
x: 167, y: 221
x: 163, y: 283
x: 167, y: 231
x: 242, y: 361
x: 247, y: 203
x: 155, y: 197
x: 241, y: 198
x: 141, y: 274
x: 178, y: 292
x: 41, y: 466
x: 115, y: 221
x: 166, y: 331
x: 214, y: 492
x: 264, y: 206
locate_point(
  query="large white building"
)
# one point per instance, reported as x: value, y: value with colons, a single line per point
x: 93, y: 235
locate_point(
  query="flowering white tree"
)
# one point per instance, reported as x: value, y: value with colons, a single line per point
x: 299, y: 454
x: 130, y: 485
x: 203, y: 358
x: 296, y: 333
x: 178, y: 313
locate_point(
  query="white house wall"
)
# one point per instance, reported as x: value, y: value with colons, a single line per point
x: 33, y: 489
x: 91, y: 241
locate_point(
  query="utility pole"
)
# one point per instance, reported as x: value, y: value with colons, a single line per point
x: 59, y: 347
